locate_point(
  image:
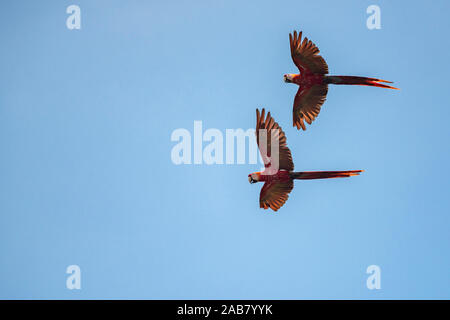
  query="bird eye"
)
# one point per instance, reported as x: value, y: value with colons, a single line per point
x: 249, y: 179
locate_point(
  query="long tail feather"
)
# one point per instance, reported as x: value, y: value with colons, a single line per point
x: 308, y: 175
x: 362, y: 81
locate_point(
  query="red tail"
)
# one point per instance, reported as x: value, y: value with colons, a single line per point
x: 324, y: 174
x: 362, y: 81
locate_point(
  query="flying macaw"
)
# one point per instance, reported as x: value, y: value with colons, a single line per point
x: 313, y: 80
x: 279, y: 180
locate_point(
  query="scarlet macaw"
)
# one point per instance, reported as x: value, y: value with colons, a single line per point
x: 313, y: 80
x: 279, y: 181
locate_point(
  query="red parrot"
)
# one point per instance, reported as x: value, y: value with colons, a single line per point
x: 279, y: 181
x: 313, y: 80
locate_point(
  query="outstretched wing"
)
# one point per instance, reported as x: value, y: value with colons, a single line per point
x: 306, y: 55
x: 273, y: 132
x: 307, y: 103
x: 274, y: 194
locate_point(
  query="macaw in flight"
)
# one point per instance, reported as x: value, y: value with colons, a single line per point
x: 313, y: 80
x: 279, y: 179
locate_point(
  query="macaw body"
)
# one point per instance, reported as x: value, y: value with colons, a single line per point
x: 313, y: 80
x: 269, y: 176
x: 304, y: 79
x: 279, y: 179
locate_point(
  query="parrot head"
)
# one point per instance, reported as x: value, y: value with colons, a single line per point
x: 253, y: 177
x: 288, y: 78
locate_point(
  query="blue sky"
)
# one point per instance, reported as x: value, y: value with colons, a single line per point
x: 87, y: 179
